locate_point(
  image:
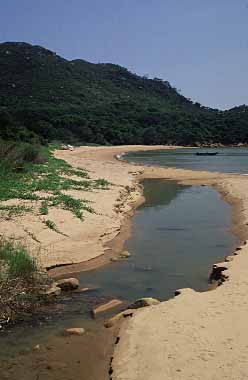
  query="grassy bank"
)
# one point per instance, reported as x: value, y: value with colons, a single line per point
x: 32, y: 173
x: 33, y: 181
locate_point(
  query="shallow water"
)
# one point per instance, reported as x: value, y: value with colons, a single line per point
x: 228, y: 160
x: 177, y: 234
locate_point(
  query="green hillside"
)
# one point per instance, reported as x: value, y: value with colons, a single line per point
x: 45, y: 97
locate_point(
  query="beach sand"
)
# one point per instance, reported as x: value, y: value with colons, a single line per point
x: 81, y: 241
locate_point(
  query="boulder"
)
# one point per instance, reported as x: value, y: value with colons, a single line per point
x: 125, y: 254
x: 68, y: 284
x: 107, y: 306
x: 53, y: 291
x: 144, y: 302
x: 74, y: 331
x: 217, y: 275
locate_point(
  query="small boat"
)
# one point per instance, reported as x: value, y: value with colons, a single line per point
x: 207, y: 153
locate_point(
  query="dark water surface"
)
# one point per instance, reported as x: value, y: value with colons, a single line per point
x: 228, y: 160
x: 177, y: 234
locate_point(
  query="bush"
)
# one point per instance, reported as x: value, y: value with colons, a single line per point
x: 14, y: 156
x: 16, y: 261
x: 31, y: 153
x: 21, y: 281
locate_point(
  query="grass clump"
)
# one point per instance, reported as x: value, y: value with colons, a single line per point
x: 21, y: 281
x: 50, y: 224
x: 102, y: 183
x: 44, y: 208
x: 9, y: 212
x: 18, y: 263
x: 76, y: 206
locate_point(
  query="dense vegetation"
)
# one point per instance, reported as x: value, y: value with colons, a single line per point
x: 44, y: 97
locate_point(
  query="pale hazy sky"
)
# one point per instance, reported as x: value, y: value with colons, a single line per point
x: 199, y: 46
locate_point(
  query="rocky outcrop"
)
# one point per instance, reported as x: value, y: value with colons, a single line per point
x: 68, y: 284
x: 217, y: 275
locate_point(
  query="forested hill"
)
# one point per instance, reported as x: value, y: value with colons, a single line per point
x: 46, y: 97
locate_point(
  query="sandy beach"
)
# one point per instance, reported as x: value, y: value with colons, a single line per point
x: 82, y: 241
x: 192, y: 336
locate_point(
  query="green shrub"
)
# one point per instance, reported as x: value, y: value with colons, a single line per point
x: 102, y: 183
x: 16, y: 261
x: 50, y: 224
x: 44, y: 208
x: 22, y: 282
x: 14, y: 156
x: 31, y: 153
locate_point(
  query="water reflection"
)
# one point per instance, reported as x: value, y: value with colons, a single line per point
x: 228, y: 160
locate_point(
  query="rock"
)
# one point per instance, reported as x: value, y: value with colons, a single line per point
x: 74, y: 331
x: 229, y: 258
x: 68, y: 284
x: 105, y: 307
x: 143, y: 302
x: 125, y: 254
x: 87, y: 290
x: 66, y: 147
x: 217, y: 274
x: 53, y: 291
x: 114, y: 259
x: 116, y: 318
x: 177, y: 293
x: 36, y: 348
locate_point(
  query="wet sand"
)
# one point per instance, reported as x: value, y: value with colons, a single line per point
x: 64, y: 357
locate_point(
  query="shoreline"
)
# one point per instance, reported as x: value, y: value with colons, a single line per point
x: 130, y: 336
x: 113, y: 246
x: 182, y: 177
x: 133, y: 348
x: 123, y: 354
x: 132, y: 330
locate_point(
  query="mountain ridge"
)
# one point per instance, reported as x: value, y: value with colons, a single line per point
x: 44, y: 96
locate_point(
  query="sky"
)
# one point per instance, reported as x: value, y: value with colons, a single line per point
x: 199, y: 46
